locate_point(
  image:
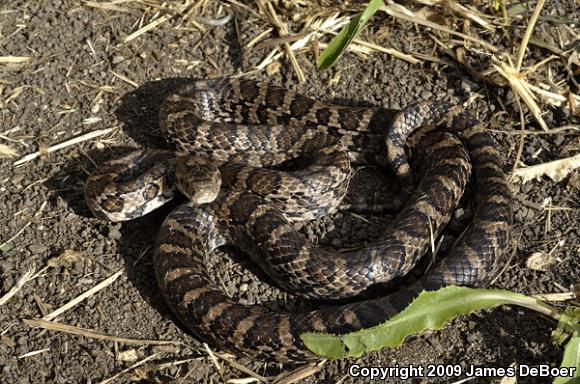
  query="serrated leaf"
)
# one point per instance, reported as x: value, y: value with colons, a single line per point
x: 340, y: 42
x: 324, y: 344
x: 429, y: 311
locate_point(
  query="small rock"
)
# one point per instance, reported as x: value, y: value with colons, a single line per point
x: 37, y: 248
x: 16, y: 180
x: 22, y: 341
x: 117, y: 59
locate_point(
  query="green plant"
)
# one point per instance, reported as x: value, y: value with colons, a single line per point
x: 432, y: 310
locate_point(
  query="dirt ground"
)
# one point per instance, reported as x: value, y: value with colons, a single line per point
x: 82, y: 76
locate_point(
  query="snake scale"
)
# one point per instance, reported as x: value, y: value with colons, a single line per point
x: 237, y: 131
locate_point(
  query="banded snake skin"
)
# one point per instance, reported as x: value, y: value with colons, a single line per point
x: 238, y: 131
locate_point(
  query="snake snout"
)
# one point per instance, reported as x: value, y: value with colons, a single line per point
x: 198, y: 179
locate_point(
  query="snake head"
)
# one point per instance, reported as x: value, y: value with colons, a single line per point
x: 131, y: 186
x: 197, y: 178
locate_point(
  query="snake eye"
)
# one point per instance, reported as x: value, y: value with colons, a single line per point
x: 151, y: 191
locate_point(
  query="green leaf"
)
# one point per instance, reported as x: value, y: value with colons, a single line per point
x: 338, y: 44
x: 324, y: 344
x: 430, y: 310
x: 569, y: 322
x: 571, y: 359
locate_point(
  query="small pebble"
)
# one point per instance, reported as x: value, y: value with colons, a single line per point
x: 37, y: 248
x: 117, y: 59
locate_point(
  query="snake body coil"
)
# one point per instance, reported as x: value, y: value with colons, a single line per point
x: 242, y: 126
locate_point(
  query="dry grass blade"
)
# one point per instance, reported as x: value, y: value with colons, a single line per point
x: 25, y: 278
x: 560, y: 296
x: 556, y: 170
x: 390, y: 51
x: 214, y: 360
x: 331, y: 23
x: 103, y: 284
x: 554, y: 98
x: 300, y: 373
x: 59, y: 327
x: 243, y: 369
x: 124, y: 78
x: 174, y: 363
x: 242, y: 380
x: 33, y: 353
x: 522, y: 140
x: 28, y: 223
x: 139, y: 363
x: 521, y: 88
x: 328, y: 25
x: 76, y: 140
x: 171, y: 10
x: 108, y: 7
x: 463, y: 11
x: 528, y: 34
x: 268, y: 10
x: 400, y: 12
x: 152, y: 25
x: 14, y: 59
x: 6, y: 151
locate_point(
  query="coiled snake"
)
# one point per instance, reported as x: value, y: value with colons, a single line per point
x: 233, y: 131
